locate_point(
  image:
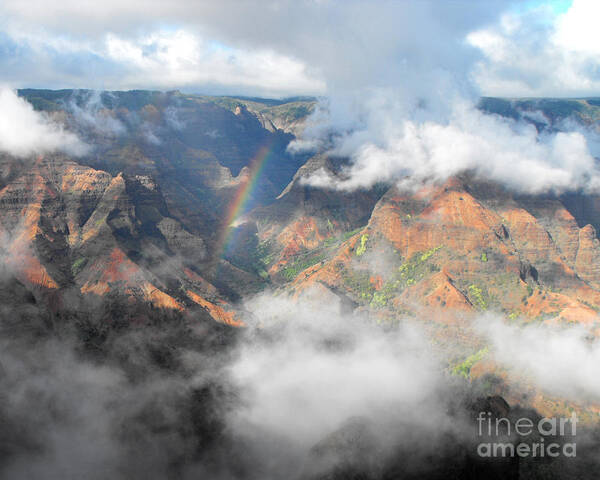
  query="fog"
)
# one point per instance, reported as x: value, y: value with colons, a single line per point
x: 159, y: 402
x: 23, y: 131
x: 562, y: 360
x: 302, y: 389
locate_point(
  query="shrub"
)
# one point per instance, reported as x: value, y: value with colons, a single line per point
x: 362, y: 248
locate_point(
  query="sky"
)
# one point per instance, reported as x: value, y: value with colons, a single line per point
x: 398, y: 81
x: 315, y: 47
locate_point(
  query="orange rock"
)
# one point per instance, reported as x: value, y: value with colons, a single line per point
x: 217, y: 312
x: 587, y: 261
x: 303, y: 234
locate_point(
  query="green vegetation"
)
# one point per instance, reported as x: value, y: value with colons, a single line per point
x: 359, y: 282
x: 330, y: 242
x: 263, y: 274
x: 484, y: 257
x: 78, y: 265
x: 362, y: 248
x: 100, y: 221
x: 334, y: 241
x: 476, y: 295
x: 409, y: 273
x: 386, y: 294
x: 417, y: 267
x: 263, y: 254
x: 351, y: 233
x: 254, y: 256
x: 292, y: 270
x: 464, y: 369
x: 426, y: 255
x: 379, y: 300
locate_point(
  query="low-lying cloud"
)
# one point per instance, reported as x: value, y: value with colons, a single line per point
x: 411, y: 152
x: 305, y: 389
x: 152, y: 405
x: 320, y: 368
x: 562, y: 361
x: 23, y: 131
x: 90, y: 112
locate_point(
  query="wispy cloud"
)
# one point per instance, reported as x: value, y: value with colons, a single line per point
x: 562, y: 361
x: 23, y: 131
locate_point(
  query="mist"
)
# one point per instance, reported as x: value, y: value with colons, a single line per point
x: 103, y: 387
x: 305, y: 389
x: 23, y: 131
x: 161, y: 402
x: 90, y: 112
x: 562, y: 360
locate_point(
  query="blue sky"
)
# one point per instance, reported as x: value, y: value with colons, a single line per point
x: 557, y: 6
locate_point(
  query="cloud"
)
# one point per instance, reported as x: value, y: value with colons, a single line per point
x: 23, y: 131
x: 392, y: 91
x: 162, y: 59
x: 321, y: 368
x: 159, y: 401
x: 182, y: 59
x: 282, y: 47
x: 290, y: 47
x: 120, y: 414
x: 410, y: 153
x: 538, y: 53
x: 156, y: 401
x: 89, y: 111
x: 310, y: 371
x: 563, y: 361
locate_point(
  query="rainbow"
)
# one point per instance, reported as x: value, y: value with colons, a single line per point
x: 242, y: 195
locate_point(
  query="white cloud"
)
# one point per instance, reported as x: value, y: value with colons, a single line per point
x: 161, y: 59
x: 577, y: 30
x: 167, y: 59
x: 563, y: 361
x: 537, y: 53
x: 282, y: 46
x: 392, y: 91
x: 317, y: 368
x: 287, y: 47
x: 23, y: 131
x: 410, y: 152
x: 93, y: 114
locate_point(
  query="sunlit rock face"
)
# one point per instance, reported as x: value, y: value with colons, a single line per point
x: 158, y: 270
x: 186, y: 202
x: 461, y: 245
x: 142, y: 214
